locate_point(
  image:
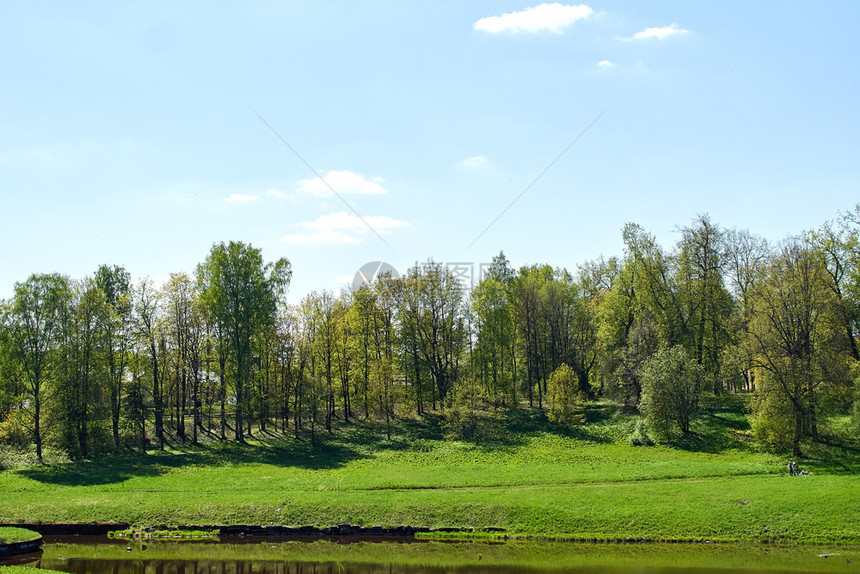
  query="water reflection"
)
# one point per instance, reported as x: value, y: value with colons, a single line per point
x: 268, y: 556
x: 96, y: 566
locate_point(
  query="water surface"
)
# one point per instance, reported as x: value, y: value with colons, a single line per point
x: 98, y: 555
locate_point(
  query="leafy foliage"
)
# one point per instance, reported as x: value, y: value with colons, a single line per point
x: 671, y: 384
x: 566, y: 399
x: 102, y: 364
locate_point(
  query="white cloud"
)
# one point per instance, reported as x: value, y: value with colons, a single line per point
x: 241, y: 198
x: 279, y: 194
x: 605, y: 64
x: 342, y: 227
x: 474, y: 161
x: 544, y: 18
x: 323, y: 236
x: 661, y: 33
x: 344, y: 182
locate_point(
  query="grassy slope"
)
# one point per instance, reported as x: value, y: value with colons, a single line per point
x: 587, y: 483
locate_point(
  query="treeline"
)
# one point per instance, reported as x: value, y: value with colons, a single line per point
x: 102, y: 363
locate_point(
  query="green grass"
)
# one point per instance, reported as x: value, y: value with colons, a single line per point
x: 9, y: 535
x: 542, y: 481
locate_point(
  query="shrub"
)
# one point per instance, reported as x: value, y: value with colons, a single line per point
x: 567, y: 404
x: 640, y: 437
x: 671, y: 383
x: 14, y: 432
x: 466, y: 420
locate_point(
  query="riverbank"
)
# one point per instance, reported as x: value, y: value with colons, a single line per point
x: 17, y: 540
x: 541, y: 482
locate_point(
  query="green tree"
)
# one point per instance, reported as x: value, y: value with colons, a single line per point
x: 85, y: 379
x: 115, y: 283
x: 532, y: 331
x: 34, y: 332
x: 796, y: 343
x: 838, y: 246
x: 495, y: 335
x: 242, y: 293
x: 439, y: 322
x: 149, y: 332
x: 567, y: 401
x: 671, y: 384
x: 746, y: 257
x: 706, y: 305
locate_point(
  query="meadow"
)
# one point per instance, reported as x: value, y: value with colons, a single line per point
x: 537, y: 480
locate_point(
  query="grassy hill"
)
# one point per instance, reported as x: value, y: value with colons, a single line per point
x: 535, y: 479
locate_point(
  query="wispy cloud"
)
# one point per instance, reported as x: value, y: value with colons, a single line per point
x: 279, y: 194
x: 241, y: 198
x: 344, y: 182
x: 605, y: 64
x: 342, y: 227
x: 543, y: 18
x: 474, y: 161
x: 661, y: 33
x: 329, y: 236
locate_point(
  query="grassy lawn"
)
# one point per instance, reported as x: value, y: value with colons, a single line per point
x: 542, y: 481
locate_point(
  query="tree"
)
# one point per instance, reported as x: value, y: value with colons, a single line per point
x: 179, y: 297
x: 439, y: 322
x: 115, y: 283
x: 705, y: 302
x: 839, y: 249
x: 85, y: 373
x: 630, y: 360
x: 794, y: 335
x: 671, y: 383
x: 746, y: 257
x: 149, y: 330
x: 532, y: 332
x: 243, y: 294
x: 34, y: 333
x: 495, y: 326
x: 567, y: 401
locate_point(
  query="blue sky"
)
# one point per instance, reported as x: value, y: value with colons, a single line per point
x: 131, y: 132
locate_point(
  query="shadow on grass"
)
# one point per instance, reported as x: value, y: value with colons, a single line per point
x: 600, y: 425
x: 722, y: 424
x: 832, y: 454
x: 119, y: 468
x: 90, y: 473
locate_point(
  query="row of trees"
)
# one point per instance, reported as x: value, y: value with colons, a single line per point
x: 105, y: 363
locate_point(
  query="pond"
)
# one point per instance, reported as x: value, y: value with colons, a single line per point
x: 98, y: 555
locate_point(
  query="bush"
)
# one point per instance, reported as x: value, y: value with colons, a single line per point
x: 772, y: 419
x: 640, y: 437
x: 472, y: 426
x: 466, y: 420
x: 14, y: 432
x: 567, y: 404
x: 671, y: 383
